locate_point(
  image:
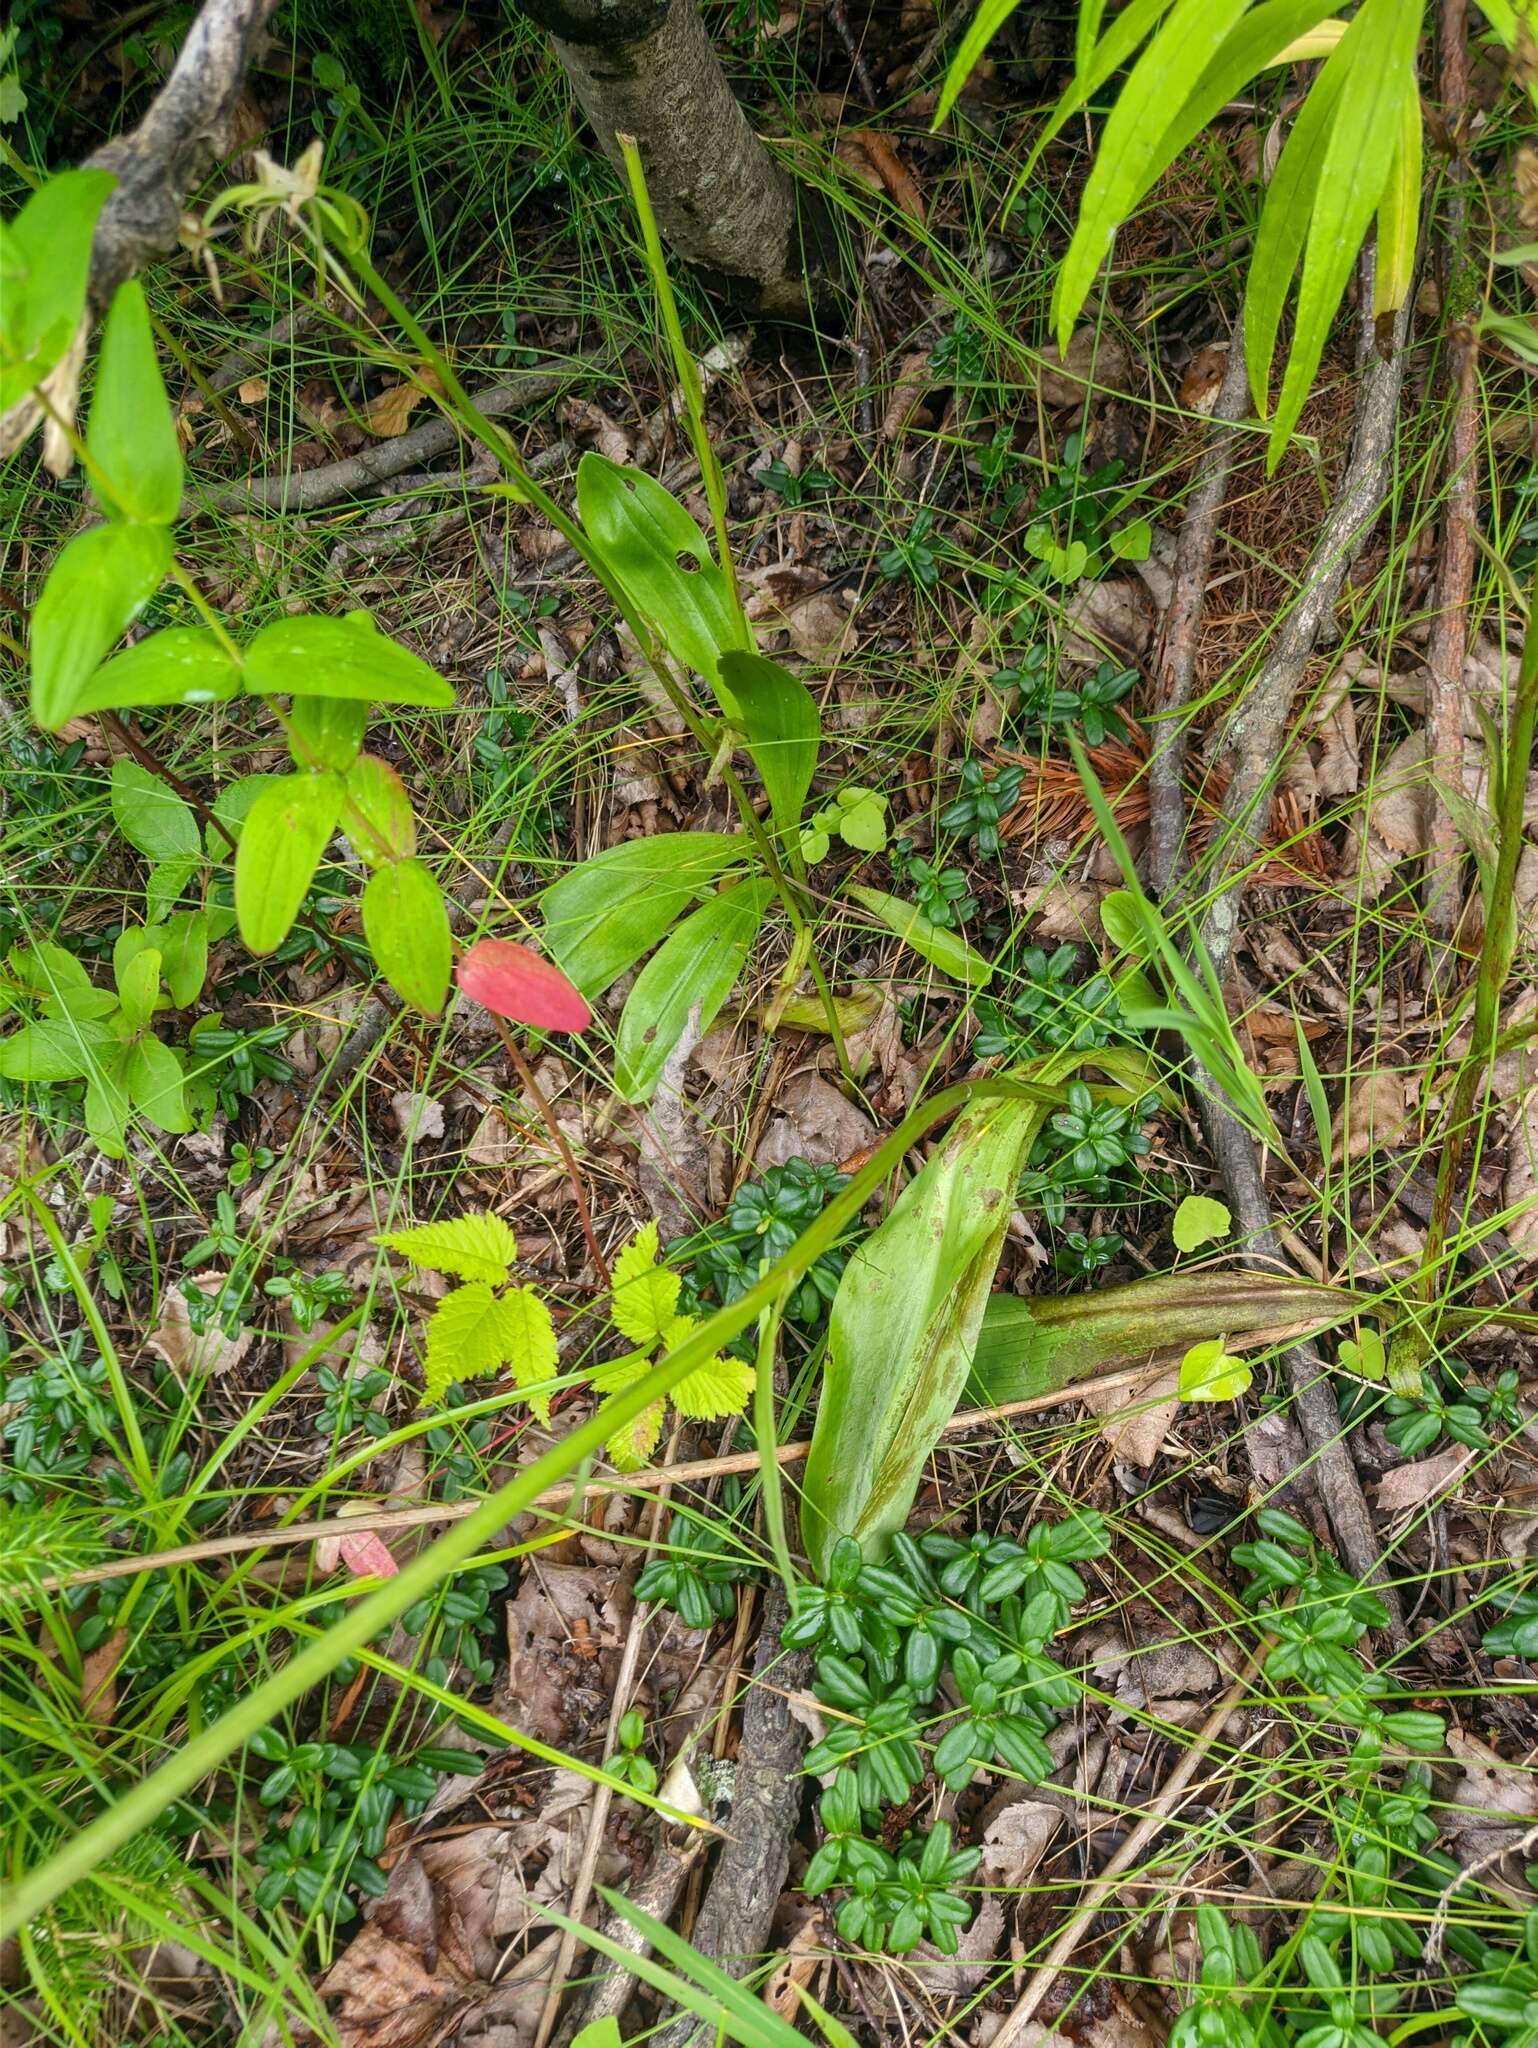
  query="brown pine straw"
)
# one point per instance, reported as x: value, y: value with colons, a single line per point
x: 1052, y: 806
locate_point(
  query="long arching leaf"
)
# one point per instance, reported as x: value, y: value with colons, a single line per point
x: 1355, y: 172
x: 1399, y: 212
x: 1163, y: 77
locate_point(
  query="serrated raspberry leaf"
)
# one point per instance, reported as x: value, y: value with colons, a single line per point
x: 477, y: 1247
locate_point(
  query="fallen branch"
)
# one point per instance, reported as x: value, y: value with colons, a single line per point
x: 1255, y: 750
x: 187, y: 128
x: 744, y: 1890
x: 1445, y: 650
x: 308, y: 490
x: 1257, y: 734
x: 1175, y: 660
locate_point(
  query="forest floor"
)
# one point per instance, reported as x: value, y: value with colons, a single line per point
x: 967, y: 547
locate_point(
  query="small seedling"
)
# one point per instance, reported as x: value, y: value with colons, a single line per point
x: 1048, y: 1011
x: 856, y: 816
x: 796, y: 488
x: 1085, y: 1256
x: 986, y: 799
x: 912, y: 556
x: 942, y: 894
x: 628, y: 1762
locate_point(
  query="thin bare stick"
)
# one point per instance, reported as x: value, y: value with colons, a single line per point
x: 1175, y: 659
x: 309, y: 489
x: 536, y: 1095
x: 1153, y: 1823
x: 1257, y: 735
x: 598, y: 1811
x: 694, y: 1471
x: 1442, y: 887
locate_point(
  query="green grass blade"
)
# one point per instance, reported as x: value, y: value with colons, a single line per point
x: 1164, y: 76
x: 1354, y: 173
x: 1285, y: 216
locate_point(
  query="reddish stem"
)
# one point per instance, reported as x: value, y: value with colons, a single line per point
x: 536, y: 1095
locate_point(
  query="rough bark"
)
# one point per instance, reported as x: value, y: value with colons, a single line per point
x: 187, y: 128
x: 646, y: 68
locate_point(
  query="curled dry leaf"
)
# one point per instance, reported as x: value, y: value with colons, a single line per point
x: 1015, y: 1840
x: 419, y: 1116
x: 789, y: 597
x: 1093, y: 362
x: 891, y: 172
x: 1113, y: 619
x: 1375, y: 1110
x: 1136, y: 1420
x: 1413, y: 1484
x: 189, y: 1352
x: 813, y: 1122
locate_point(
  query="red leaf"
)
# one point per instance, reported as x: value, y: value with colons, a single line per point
x: 512, y: 982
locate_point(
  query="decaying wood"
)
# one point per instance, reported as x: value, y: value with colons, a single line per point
x: 189, y: 125
x: 1448, y: 644
x: 1175, y: 661
x: 745, y: 1886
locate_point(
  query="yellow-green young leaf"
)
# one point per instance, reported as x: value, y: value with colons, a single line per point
x: 618, y: 1373
x: 1208, y: 1373
x: 642, y: 535
x: 1260, y: 39
x: 1162, y: 78
x: 318, y: 655
x: 1363, y: 1354
x: 1399, y: 210
x: 721, y: 1386
x: 946, y: 950
x: 132, y: 437
x: 466, y: 1339
x: 1354, y: 172
x: 528, y: 1345
x: 609, y: 910
x: 377, y: 811
x: 631, y: 1446
x: 326, y: 732
x: 1285, y: 216
x: 779, y: 715
x: 153, y: 1074
x: 693, y: 971
x: 478, y: 1247
x: 284, y: 836
x: 47, y: 263
x: 645, y: 1294
x: 1199, y: 1220
x: 181, y: 665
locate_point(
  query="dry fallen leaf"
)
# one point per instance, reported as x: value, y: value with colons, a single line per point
x: 1374, y: 1110
x: 185, y: 1350
x: 1135, y: 1420
x: 914, y: 377
x: 789, y: 597
x: 1094, y: 361
x: 1412, y: 1485
x: 1015, y: 1841
x: 897, y: 180
x: 389, y: 412
x: 815, y: 1123
x: 1111, y: 618
x: 419, y: 1116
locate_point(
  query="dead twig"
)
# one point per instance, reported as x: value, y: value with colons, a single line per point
x: 744, y: 1890
x: 1445, y: 650
x: 1153, y: 1823
x: 1175, y: 660
x: 188, y: 126
x: 309, y: 489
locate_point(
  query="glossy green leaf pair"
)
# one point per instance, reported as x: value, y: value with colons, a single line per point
x: 105, y: 577
x: 286, y: 831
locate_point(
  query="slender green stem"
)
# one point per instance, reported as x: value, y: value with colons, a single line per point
x: 458, y: 403
x: 138, y: 1454
x: 687, y: 372
x: 766, y: 1429
x: 1497, y: 949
